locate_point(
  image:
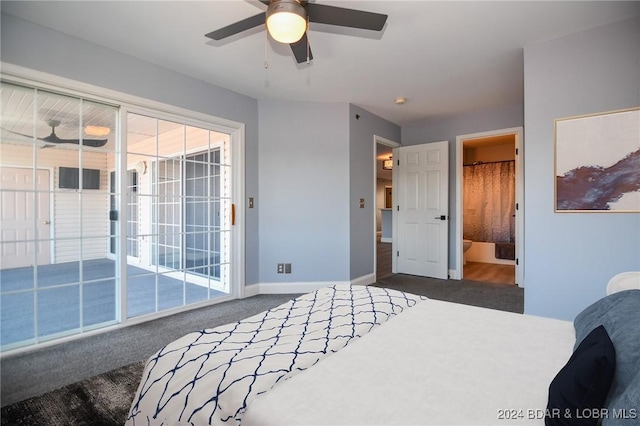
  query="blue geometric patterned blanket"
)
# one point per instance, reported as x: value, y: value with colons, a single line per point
x: 211, y: 376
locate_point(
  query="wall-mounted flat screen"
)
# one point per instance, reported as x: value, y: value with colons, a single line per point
x: 69, y: 178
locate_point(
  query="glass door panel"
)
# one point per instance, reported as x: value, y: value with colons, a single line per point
x: 179, y: 213
x: 99, y: 302
x: 61, y: 164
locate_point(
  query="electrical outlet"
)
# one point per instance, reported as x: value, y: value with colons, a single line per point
x: 287, y: 268
x: 281, y: 268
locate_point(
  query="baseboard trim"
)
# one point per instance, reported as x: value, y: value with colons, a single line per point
x: 301, y: 287
x: 454, y: 274
x: 364, y: 280
x: 251, y: 290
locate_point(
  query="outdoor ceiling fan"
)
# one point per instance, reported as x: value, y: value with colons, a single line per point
x: 287, y: 22
x: 53, y: 138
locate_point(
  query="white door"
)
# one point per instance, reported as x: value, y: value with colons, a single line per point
x: 18, y: 219
x: 421, y: 207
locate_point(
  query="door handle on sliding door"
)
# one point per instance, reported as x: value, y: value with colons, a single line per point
x: 233, y: 214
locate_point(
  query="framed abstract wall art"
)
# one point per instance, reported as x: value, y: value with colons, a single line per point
x: 597, y: 162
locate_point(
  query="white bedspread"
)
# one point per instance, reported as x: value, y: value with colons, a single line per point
x: 211, y: 376
x: 438, y: 363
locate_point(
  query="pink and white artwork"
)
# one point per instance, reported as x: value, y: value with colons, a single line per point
x: 597, y: 162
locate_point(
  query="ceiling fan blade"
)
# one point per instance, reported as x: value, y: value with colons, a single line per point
x: 237, y: 27
x: 333, y: 15
x: 299, y: 49
x: 95, y: 143
x: 53, y: 138
x: 17, y: 133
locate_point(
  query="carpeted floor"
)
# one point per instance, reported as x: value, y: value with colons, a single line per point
x: 503, y: 297
x: 104, y: 399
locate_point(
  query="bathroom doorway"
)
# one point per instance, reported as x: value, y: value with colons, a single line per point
x: 489, y: 244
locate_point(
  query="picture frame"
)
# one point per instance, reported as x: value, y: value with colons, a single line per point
x: 597, y: 162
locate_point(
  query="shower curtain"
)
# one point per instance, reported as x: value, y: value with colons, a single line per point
x: 489, y: 202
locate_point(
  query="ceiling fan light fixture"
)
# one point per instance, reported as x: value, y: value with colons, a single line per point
x: 96, y: 130
x: 286, y: 21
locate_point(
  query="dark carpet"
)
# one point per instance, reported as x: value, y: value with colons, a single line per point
x: 105, y: 399
x: 503, y: 297
x: 102, y: 400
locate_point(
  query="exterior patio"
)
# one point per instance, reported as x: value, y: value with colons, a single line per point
x: 54, y: 309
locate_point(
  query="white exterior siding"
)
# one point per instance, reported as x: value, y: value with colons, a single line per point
x: 69, y: 220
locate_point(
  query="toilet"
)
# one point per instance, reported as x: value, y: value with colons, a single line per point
x: 465, y: 246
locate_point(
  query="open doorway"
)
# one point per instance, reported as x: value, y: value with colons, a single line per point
x: 383, y: 190
x: 489, y: 194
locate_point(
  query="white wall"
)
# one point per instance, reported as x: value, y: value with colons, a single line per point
x: 571, y: 256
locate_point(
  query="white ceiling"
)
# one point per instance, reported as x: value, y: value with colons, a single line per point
x: 446, y: 58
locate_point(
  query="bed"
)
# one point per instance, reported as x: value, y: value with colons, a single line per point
x: 367, y: 355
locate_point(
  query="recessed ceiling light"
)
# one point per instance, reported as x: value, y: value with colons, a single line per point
x: 401, y: 101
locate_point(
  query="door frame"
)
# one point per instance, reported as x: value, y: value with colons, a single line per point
x: 518, y: 132
x: 392, y: 144
x: 236, y: 132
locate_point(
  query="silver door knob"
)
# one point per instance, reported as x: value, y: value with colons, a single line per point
x: 47, y: 222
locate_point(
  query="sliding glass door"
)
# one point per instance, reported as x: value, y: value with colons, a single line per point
x: 106, y: 214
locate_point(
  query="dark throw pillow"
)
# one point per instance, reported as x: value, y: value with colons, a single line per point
x: 578, y: 392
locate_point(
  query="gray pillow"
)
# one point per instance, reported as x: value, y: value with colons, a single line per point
x: 615, y: 309
x: 619, y: 313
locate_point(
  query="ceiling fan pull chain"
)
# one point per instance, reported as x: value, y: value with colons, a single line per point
x: 308, y: 45
x: 266, y: 50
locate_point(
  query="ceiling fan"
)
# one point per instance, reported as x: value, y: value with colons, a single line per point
x: 287, y: 22
x: 53, y: 138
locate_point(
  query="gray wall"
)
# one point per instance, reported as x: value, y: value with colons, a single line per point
x: 361, y: 185
x: 39, y: 48
x: 304, y: 191
x: 447, y: 129
x: 571, y: 256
